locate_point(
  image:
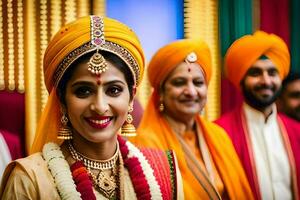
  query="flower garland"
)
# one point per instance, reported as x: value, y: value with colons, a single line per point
x: 140, y: 171
x: 83, y: 182
x: 60, y: 171
x: 141, y: 174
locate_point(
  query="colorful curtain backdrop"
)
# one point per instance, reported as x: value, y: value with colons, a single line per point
x: 295, y: 34
x: 235, y: 21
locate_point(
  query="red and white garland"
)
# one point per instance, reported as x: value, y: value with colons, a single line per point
x: 141, y: 174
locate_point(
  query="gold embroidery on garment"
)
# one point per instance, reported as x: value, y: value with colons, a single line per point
x: 111, y: 47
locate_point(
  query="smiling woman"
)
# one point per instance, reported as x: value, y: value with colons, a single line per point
x: 92, y: 68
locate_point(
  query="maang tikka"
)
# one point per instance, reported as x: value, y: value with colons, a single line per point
x: 97, y: 63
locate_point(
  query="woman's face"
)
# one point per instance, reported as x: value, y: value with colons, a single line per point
x: 184, y: 92
x: 97, y: 106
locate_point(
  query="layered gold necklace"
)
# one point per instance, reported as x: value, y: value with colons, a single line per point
x: 104, y: 183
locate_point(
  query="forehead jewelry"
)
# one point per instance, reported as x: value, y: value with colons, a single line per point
x: 190, y: 58
x: 97, y: 64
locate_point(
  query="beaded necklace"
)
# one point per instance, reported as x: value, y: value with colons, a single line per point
x: 92, y: 163
x: 104, y: 183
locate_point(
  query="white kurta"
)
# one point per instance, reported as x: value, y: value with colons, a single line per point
x: 5, y: 157
x: 270, y: 156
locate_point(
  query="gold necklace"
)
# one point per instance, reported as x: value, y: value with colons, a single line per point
x: 105, y: 184
x: 92, y: 163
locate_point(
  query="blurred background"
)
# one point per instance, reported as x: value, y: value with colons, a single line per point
x: 26, y: 26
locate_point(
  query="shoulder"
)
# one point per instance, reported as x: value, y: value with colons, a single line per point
x: 229, y: 117
x: 29, y: 174
x: 164, y: 165
x: 158, y: 167
x: 213, y: 128
x: 28, y: 165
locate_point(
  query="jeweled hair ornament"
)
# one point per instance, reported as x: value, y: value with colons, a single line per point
x: 97, y: 63
x: 191, y: 57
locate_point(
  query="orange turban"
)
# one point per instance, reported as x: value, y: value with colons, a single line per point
x: 74, y: 40
x: 249, y: 48
x: 168, y: 57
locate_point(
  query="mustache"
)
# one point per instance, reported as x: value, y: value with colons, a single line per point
x: 264, y: 86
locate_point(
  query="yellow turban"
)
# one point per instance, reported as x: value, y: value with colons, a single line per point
x: 74, y: 39
x: 168, y: 57
x: 249, y: 48
x: 71, y: 42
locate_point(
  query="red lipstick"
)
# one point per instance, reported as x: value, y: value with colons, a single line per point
x: 100, y: 122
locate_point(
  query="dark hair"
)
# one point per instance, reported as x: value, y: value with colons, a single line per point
x: 290, y: 78
x: 118, y: 62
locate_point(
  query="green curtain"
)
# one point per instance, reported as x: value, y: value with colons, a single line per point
x: 295, y: 35
x: 235, y: 20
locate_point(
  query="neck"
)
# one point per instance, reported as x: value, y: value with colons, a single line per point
x: 96, y: 151
x: 266, y: 111
x: 180, y: 127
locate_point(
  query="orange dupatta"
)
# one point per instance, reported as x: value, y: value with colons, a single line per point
x: 154, y: 131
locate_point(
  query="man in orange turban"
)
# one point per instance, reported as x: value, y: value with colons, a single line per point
x: 179, y: 74
x: 267, y: 143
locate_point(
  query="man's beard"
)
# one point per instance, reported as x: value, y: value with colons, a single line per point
x: 256, y: 102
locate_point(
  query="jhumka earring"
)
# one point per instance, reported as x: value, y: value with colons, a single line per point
x: 161, y: 107
x: 128, y: 129
x: 64, y: 132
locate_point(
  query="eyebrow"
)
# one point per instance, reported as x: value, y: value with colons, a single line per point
x: 89, y: 83
x: 268, y: 67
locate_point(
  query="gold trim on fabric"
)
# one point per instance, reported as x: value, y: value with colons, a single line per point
x: 11, y: 57
x: 2, y: 80
x: 88, y: 47
x: 201, y: 21
x: 20, y: 26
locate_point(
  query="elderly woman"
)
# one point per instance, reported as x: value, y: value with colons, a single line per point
x: 92, y: 68
x: 179, y: 74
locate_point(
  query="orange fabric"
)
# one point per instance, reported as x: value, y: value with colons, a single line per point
x: 67, y: 39
x: 249, y: 48
x: 77, y: 33
x: 191, y: 140
x: 154, y: 131
x: 168, y: 57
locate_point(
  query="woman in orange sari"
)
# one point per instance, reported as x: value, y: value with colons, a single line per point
x: 179, y: 74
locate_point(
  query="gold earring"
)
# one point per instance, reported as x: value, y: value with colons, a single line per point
x: 161, y: 107
x: 64, y: 132
x: 128, y: 129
